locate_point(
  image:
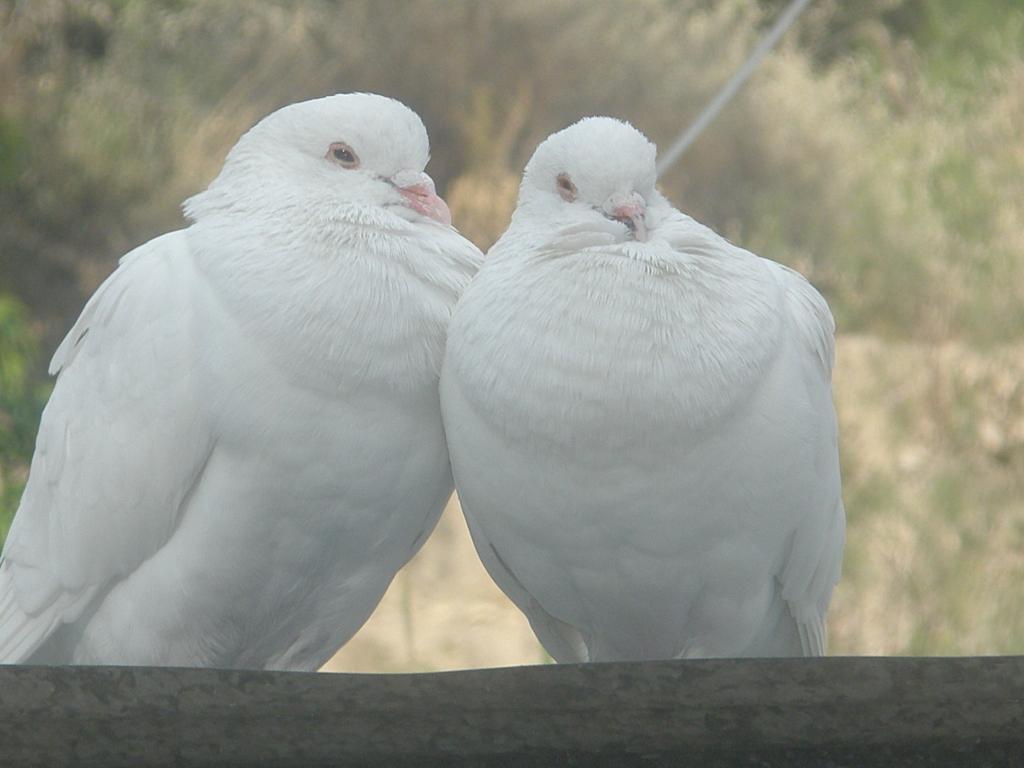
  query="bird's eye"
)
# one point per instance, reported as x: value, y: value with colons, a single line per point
x: 342, y: 154
x: 565, y: 187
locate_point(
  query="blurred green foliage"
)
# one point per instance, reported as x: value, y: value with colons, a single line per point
x: 21, y: 401
x: 12, y: 158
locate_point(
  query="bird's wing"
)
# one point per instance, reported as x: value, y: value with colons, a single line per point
x: 812, y: 567
x: 811, y: 570
x: 813, y: 319
x: 563, y: 641
x: 120, y: 445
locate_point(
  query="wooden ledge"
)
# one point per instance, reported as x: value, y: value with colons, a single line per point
x: 856, y: 712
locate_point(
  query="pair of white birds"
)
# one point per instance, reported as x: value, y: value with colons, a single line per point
x: 245, y: 441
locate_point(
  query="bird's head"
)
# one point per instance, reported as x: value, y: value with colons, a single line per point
x: 352, y: 150
x: 595, y: 170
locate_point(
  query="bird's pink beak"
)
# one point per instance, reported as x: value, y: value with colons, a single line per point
x: 419, y: 194
x: 631, y: 211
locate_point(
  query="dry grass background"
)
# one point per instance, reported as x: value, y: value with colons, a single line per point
x: 878, y: 150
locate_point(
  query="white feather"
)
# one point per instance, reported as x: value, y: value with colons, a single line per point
x: 244, y: 442
x: 642, y: 433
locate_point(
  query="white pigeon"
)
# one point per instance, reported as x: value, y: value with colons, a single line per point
x: 244, y: 443
x: 640, y: 421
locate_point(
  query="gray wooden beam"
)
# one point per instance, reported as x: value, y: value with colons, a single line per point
x: 857, y: 712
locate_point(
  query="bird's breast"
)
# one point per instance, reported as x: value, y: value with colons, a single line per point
x: 601, y: 352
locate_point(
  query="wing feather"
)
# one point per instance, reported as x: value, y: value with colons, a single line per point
x: 813, y: 566
x: 813, y: 319
x: 119, y: 447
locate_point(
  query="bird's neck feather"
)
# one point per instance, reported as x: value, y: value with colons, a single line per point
x: 348, y: 305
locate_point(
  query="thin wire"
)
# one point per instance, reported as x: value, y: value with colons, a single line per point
x: 687, y: 137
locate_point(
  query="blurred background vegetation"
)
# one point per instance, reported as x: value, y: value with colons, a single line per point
x: 879, y: 150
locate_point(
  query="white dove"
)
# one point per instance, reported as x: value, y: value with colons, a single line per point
x: 244, y: 443
x: 640, y: 421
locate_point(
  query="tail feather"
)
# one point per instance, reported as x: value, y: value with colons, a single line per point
x: 21, y: 633
x: 813, y: 637
x: 780, y: 633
